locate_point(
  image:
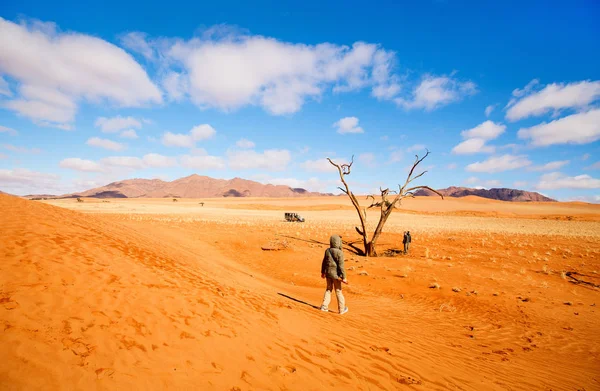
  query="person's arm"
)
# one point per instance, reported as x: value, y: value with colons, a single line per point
x: 341, y: 268
x: 323, y: 265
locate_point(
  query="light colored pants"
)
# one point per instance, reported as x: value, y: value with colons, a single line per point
x: 406, y: 246
x: 331, y: 284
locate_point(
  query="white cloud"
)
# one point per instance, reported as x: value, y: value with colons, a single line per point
x: 22, y: 181
x: 270, y: 159
x: 499, y: 163
x: 477, y: 137
x: 136, y: 42
x: 123, y: 161
x: 129, y: 133
x: 80, y: 165
x: 11, y: 131
x: 108, y: 165
x: 116, y: 124
x: 348, y: 125
x: 386, y: 84
x: 557, y: 180
x: 492, y: 183
x: 104, y: 143
x: 487, y: 131
x: 517, y: 93
x: 4, y: 87
x: 47, y: 113
x: 202, y: 162
x: 304, y: 150
x: 585, y: 156
x: 14, y: 148
x: 368, y: 159
x: 232, y: 69
x: 55, y: 71
x: 178, y: 140
x: 452, y: 166
x: 553, y: 97
x: 581, y: 128
x: 520, y: 184
x: 595, y: 166
x: 473, y: 145
x: 176, y: 86
x: 434, y: 92
x: 551, y: 166
x: 318, y: 165
x: 489, y: 109
x: 202, y: 132
x: 198, y: 133
x: 244, y: 143
x: 156, y: 160
x: 396, y: 156
x: 3, y: 156
x: 471, y: 180
x: 415, y: 148
x: 514, y: 147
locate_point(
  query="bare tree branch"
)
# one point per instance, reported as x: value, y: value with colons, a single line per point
x: 386, y: 206
x: 425, y: 187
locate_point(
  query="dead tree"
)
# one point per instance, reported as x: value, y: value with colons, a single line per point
x: 386, y: 206
x: 79, y: 199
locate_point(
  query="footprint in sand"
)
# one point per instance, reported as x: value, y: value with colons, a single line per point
x: 381, y: 349
x: 102, y: 372
x: 407, y: 380
x: 8, y: 303
x: 285, y: 370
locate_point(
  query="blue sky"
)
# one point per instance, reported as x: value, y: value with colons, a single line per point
x: 503, y: 94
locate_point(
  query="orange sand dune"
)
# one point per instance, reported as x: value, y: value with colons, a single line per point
x: 130, y: 300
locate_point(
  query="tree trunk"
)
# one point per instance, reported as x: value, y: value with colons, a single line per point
x: 370, y: 249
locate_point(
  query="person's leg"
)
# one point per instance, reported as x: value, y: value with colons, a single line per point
x: 327, y: 296
x: 337, y: 284
x: 405, y: 247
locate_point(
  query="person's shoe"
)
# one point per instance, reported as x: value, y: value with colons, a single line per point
x: 342, y: 312
x: 324, y: 309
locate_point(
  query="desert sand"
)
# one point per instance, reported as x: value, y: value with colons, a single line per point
x: 155, y: 294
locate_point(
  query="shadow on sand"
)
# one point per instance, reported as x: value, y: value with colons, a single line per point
x: 350, y: 246
x: 298, y: 301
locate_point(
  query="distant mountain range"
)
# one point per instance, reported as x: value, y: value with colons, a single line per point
x: 197, y: 186
x: 193, y: 186
x: 502, y: 194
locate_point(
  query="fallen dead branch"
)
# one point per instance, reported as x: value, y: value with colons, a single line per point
x: 574, y: 278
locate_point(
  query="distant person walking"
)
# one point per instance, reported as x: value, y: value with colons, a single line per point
x: 406, y: 241
x: 333, y: 270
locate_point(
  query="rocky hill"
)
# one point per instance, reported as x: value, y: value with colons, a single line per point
x: 501, y: 194
x: 193, y: 186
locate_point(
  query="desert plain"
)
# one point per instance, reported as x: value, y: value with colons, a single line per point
x: 155, y: 294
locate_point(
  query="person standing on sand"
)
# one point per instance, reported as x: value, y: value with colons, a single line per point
x: 406, y: 241
x: 333, y: 270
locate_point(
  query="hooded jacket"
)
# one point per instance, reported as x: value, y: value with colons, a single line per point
x: 333, y: 260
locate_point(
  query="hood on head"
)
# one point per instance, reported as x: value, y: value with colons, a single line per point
x: 335, y: 241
